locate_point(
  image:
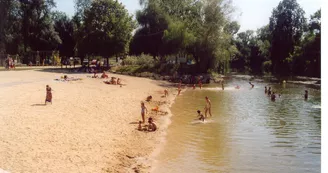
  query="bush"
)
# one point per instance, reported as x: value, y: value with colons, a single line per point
x: 140, y: 60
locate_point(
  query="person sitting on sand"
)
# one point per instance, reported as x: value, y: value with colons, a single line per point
x: 149, y: 98
x: 104, y: 75
x: 139, y: 126
x: 251, y: 84
x: 143, y: 111
x: 95, y: 75
x: 152, y: 126
x: 273, y: 97
x: 48, y: 95
x: 166, y: 93
x: 200, y: 115
x: 119, y: 81
x: 65, y: 77
x: 306, y: 95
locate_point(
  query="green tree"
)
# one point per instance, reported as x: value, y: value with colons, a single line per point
x: 108, y: 28
x: 65, y: 27
x: 287, y: 24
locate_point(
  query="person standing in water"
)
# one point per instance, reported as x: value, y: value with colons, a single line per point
x: 273, y: 97
x: 208, y: 107
x: 265, y: 90
x: 269, y: 91
x: 251, y: 84
x: 48, y: 95
x: 306, y: 95
x: 222, y: 83
x: 143, y: 111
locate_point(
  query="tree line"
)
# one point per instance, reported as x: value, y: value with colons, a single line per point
x: 201, y: 31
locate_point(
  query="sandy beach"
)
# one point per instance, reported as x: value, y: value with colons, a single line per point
x: 90, y: 126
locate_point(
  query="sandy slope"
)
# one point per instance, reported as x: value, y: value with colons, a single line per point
x: 90, y: 127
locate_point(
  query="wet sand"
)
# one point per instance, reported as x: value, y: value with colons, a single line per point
x: 90, y: 127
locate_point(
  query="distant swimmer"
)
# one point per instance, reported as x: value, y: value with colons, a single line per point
x: 208, y: 107
x: 265, y: 90
x: 200, y: 115
x: 273, y: 97
x: 251, y: 84
x: 306, y: 95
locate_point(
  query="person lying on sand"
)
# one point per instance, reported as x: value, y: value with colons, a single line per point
x: 104, y: 75
x: 200, y: 115
x: 149, y: 98
x: 152, y: 126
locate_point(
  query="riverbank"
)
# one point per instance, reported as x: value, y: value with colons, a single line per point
x: 90, y: 127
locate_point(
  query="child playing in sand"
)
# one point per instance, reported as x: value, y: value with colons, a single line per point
x: 143, y: 111
x: 200, y: 115
x: 152, y: 126
x: 48, y: 95
x: 139, y: 127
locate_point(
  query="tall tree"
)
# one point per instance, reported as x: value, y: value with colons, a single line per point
x: 287, y: 24
x: 65, y: 27
x: 108, y: 27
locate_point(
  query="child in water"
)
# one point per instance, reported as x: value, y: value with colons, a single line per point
x: 265, y: 89
x: 251, y: 84
x: 269, y: 91
x: 200, y: 115
x: 273, y: 97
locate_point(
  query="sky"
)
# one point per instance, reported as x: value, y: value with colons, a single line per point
x: 251, y: 14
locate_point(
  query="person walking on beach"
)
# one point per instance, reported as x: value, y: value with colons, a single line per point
x: 143, y: 111
x: 208, y: 107
x: 306, y: 95
x: 48, y: 95
x: 166, y: 93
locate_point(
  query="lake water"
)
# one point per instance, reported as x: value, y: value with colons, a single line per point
x: 248, y: 133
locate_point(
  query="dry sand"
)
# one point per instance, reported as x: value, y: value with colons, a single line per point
x: 90, y: 127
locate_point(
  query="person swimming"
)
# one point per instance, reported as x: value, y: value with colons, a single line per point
x: 306, y: 95
x: 200, y: 115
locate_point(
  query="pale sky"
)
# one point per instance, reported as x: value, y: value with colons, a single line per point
x: 251, y: 14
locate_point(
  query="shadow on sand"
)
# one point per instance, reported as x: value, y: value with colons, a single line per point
x: 38, y: 105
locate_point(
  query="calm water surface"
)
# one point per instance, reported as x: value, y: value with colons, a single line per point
x: 247, y: 133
